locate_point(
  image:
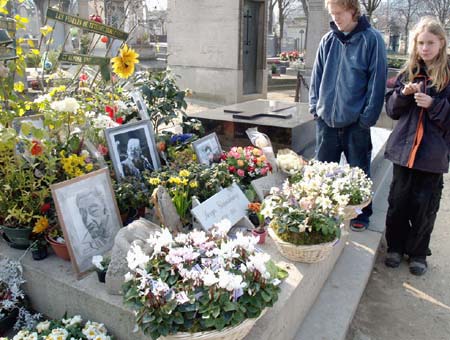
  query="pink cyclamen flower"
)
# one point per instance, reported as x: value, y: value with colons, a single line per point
x: 241, y: 173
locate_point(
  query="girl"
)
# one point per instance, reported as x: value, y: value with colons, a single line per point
x: 418, y: 146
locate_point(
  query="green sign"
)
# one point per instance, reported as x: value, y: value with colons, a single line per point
x: 7, y: 38
x: 83, y: 59
x: 88, y: 25
x: 7, y: 53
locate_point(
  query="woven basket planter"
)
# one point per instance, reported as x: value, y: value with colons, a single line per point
x: 237, y: 332
x: 299, y: 253
x: 351, y: 211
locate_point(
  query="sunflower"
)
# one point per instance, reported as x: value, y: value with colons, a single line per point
x: 123, y: 65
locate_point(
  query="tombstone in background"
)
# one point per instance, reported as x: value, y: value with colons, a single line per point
x: 114, y: 16
x: 271, y: 51
x: 219, y: 48
x: 318, y: 25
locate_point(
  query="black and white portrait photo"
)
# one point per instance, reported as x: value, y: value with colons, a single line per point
x: 132, y: 149
x: 208, y: 149
x: 89, y: 217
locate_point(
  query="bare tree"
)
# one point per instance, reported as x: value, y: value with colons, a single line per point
x: 272, y: 4
x: 440, y: 9
x: 405, y: 11
x: 370, y: 6
x: 305, y: 5
x: 283, y: 11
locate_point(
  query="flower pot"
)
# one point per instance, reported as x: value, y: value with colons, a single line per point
x: 101, y: 275
x: 39, y: 253
x: 8, y: 321
x: 18, y: 238
x: 237, y: 332
x: 60, y: 249
x: 260, y: 234
x: 302, y: 253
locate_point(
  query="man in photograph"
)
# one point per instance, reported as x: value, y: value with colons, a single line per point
x: 135, y: 162
x: 95, y: 216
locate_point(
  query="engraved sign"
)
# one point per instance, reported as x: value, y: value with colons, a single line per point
x: 229, y: 203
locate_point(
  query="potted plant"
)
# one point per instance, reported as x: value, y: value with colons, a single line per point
x: 200, y: 284
x: 258, y: 221
x: 274, y: 70
x: 25, y: 186
x: 55, y: 238
x: 101, y: 266
x: 131, y: 197
x: 65, y: 328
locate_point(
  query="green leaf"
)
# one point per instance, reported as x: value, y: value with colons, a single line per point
x: 229, y: 306
x: 266, y: 297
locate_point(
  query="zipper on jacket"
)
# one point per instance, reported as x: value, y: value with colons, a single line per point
x: 333, y: 111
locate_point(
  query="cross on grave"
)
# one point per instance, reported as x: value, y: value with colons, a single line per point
x: 247, y: 17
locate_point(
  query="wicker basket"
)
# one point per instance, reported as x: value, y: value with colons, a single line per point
x: 351, y: 211
x: 237, y: 332
x: 298, y: 253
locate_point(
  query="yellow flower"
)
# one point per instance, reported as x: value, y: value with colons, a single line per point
x: 89, y: 167
x: 184, y: 173
x: 240, y: 163
x: 19, y: 87
x: 154, y: 181
x: 46, y: 30
x: 123, y: 65
x: 184, y: 181
x: 41, y: 225
x: 193, y: 184
x: 175, y: 180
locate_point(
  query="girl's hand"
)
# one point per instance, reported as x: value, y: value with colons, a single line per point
x: 411, y: 88
x: 423, y: 100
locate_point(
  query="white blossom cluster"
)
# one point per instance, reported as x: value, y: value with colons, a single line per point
x: 68, y: 104
x: 201, y: 259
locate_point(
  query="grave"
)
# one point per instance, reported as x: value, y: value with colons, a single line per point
x: 219, y: 48
x: 288, y: 125
x: 53, y: 288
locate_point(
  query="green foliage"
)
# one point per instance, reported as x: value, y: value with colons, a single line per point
x: 395, y: 62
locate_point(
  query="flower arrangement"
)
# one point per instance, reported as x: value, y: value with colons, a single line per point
x: 198, y: 282
x: 255, y: 216
x: 101, y: 263
x: 248, y: 163
x: 65, y: 328
x: 289, y: 161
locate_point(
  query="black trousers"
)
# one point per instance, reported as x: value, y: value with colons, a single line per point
x: 414, y: 200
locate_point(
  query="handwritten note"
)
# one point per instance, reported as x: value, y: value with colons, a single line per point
x: 229, y: 203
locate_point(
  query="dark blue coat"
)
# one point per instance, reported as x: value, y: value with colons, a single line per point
x: 433, y: 152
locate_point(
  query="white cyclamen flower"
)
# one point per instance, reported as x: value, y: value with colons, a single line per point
x: 97, y: 262
x: 209, y: 278
x: 136, y: 257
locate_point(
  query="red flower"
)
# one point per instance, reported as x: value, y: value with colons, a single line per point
x: 45, y: 207
x: 119, y: 120
x: 83, y: 77
x: 102, y: 149
x: 110, y: 111
x: 36, y: 149
x: 96, y: 18
x: 104, y: 39
x: 231, y: 168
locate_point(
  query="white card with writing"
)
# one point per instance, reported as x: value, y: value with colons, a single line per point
x: 230, y: 203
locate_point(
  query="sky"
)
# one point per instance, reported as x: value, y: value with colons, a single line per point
x: 160, y: 4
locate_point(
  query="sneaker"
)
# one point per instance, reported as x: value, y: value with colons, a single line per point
x: 418, y: 266
x: 358, y: 225
x: 393, y: 259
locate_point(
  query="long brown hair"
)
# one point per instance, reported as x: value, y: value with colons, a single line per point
x: 439, y: 70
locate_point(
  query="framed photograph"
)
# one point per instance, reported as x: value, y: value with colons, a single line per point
x: 207, y: 149
x: 88, y: 215
x: 141, y: 105
x: 132, y: 148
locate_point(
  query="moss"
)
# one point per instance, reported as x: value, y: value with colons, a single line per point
x: 306, y: 238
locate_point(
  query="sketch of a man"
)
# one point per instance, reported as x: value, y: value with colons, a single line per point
x: 95, y: 216
x: 135, y: 161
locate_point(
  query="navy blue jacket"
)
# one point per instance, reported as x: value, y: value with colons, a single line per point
x: 433, y: 152
x: 348, y: 80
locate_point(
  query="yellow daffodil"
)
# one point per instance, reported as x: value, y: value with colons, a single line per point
x: 123, y: 65
x: 41, y: 225
x: 45, y: 30
x: 193, y: 184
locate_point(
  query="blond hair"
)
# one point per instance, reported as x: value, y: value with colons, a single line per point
x: 439, y: 70
x: 348, y: 5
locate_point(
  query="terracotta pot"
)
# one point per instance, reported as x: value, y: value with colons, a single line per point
x: 261, y: 235
x: 60, y: 249
x: 18, y: 238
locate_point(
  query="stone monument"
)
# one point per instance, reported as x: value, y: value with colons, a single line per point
x: 218, y: 48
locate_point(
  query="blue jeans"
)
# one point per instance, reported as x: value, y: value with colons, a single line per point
x: 356, y: 144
